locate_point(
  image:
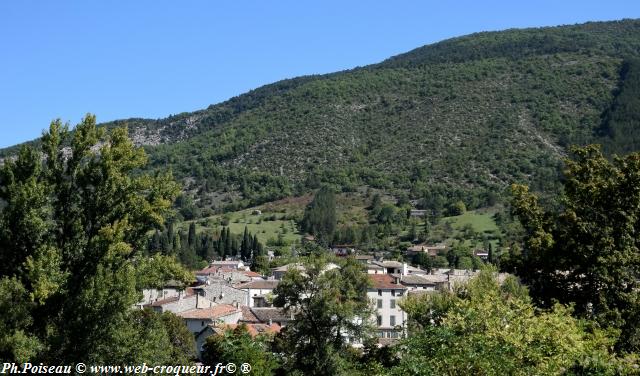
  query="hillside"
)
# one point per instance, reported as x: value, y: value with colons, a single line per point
x: 460, y: 119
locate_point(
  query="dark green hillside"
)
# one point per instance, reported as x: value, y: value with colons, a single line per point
x: 461, y: 119
x: 607, y: 38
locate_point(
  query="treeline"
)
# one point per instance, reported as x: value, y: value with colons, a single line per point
x: 195, y: 249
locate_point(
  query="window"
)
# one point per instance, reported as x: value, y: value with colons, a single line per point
x: 379, y: 292
x: 393, y: 292
x: 379, y: 303
x: 381, y: 334
x: 379, y: 320
x: 394, y: 335
x: 393, y: 303
x: 392, y: 320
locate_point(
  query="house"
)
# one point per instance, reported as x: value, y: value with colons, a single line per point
x: 459, y: 276
x: 365, y: 259
x: 258, y: 291
x: 222, y: 293
x: 270, y: 315
x: 169, y: 290
x: 231, y: 264
x: 199, y: 318
x: 392, y: 267
x: 384, y: 292
x: 215, y: 274
x: 253, y: 275
x: 431, y: 250
x: 417, y: 213
x: 279, y: 272
x: 417, y: 282
x: 180, y: 303
x: 481, y: 253
x: 374, y: 268
x: 342, y: 249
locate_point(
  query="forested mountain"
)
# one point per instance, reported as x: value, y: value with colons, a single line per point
x: 461, y: 118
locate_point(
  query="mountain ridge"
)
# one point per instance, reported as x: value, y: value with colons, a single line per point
x: 463, y: 118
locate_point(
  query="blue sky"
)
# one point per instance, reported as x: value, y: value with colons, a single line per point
x: 120, y: 59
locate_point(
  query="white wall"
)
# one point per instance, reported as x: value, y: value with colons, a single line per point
x: 386, y: 311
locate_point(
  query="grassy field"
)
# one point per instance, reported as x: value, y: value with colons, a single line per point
x: 261, y: 224
x: 479, y: 221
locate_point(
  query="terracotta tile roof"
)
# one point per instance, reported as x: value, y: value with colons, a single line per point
x: 264, y: 284
x: 253, y: 329
x: 384, y: 281
x: 209, y: 313
x: 252, y: 274
x: 209, y: 270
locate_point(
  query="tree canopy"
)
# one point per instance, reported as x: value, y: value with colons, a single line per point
x: 74, y: 220
x: 485, y: 328
x: 587, y: 251
x: 329, y: 306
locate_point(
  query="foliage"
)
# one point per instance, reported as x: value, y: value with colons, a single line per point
x: 320, y: 216
x: 72, y: 228
x: 238, y: 347
x: 329, y: 305
x: 587, y: 252
x: 483, y: 328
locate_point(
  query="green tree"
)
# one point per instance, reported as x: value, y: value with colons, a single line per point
x: 586, y: 253
x: 484, y: 328
x: 73, y: 229
x: 246, y: 246
x: 320, y: 216
x: 329, y: 305
x: 457, y: 208
x: 237, y: 346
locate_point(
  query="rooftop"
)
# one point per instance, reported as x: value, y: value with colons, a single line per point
x: 385, y: 281
x: 273, y: 314
x: 253, y: 329
x: 209, y: 313
x: 264, y: 284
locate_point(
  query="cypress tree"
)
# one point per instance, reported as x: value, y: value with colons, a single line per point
x: 192, y: 236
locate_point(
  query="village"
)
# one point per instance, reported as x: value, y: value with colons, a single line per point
x: 227, y: 294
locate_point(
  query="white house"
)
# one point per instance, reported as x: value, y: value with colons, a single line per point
x: 258, y: 291
x: 385, y: 292
x: 199, y: 318
x: 232, y: 264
